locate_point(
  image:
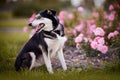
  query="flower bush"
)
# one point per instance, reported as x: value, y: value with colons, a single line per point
x: 93, y: 34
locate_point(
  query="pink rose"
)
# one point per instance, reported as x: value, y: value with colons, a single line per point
x: 80, y: 27
x: 62, y: 15
x: 102, y: 48
x: 101, y: 41
x: 110, y: 35
x: 94, y: 44
x: 99, y: 32
x: 92, y: 27
x: 116, y: 33
x: 113, y: 34
x: 74, y: 32
x: 95, y: 14
x: 81, y: 35
x: 111, y: 7
x: 62, y: 22
x: 78, y: 39
x: 70, y: 16
x: 86, y: 40
x: 111, y: 17
x: 96, y: 39
x: 80, y: 9
x: 105, y: 27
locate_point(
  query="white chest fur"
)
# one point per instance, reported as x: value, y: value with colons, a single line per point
x: 55, y: 44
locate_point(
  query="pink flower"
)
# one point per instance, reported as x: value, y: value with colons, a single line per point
x: 81, y: 35
x: 105, y: 27
x: 102, y: 48
x: 111, y: 7
x: 62, y: 15
x: 25, y: 29
x: 32, y: 17
x: 74, y: 32
x: 96, y: 39
x: 80, y: 9
x: 101, y: 41
x: 80, y: 27
x: 89, y: 40
x: 110, y: 35
x: 116, y: 33
x: 86, y: 40
x: 111, y: 17
x: 70, y: 16
x: 113, y: 34
x: 95, y: 14
x: 92, y: 27
x: 62, y: 22
x: 78, y: 39
x: 99, y: 32
x: 94, y: 44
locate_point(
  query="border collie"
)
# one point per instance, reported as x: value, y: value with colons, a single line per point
x: 46, y: 43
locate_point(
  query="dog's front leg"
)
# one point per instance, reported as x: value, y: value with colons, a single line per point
x: 48, y: 62
x: 61, y: 58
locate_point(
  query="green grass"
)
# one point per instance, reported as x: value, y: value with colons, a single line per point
x: 18, y: 22
x: 11, y: 43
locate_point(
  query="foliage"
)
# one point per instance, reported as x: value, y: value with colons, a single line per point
x: 26, y: 9
x: 92, y: 35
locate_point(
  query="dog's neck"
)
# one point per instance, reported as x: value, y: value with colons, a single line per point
x: 49, y: 34
x: 58, y: 31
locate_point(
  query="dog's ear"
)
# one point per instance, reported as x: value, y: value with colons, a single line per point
x: 51, y: 12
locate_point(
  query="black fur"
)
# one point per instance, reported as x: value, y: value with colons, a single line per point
x: 23, y: 58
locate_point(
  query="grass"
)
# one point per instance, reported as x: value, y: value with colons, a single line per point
x: 13, y: 22
x: 10, y: 44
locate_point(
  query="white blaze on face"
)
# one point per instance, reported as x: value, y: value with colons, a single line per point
x: 48, y: 23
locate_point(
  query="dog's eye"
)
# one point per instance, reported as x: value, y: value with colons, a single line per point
x: 38, y: 17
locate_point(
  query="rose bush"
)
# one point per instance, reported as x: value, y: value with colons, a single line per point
x: 92, y: 35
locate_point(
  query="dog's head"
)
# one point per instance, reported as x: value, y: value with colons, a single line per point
x: 45, y: 20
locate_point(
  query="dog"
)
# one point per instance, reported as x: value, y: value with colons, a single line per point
x: 46, y: 43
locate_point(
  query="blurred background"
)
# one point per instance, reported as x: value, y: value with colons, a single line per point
x: 24, y: 8
x: 12, y: 9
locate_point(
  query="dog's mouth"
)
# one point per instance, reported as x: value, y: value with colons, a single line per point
x: 40, y: 26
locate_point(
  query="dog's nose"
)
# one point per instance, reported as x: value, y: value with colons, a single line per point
x: 30, y: 24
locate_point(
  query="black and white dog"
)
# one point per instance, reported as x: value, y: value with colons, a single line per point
x: 47, y: 42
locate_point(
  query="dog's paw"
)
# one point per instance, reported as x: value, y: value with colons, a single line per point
x: 51, y: 72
